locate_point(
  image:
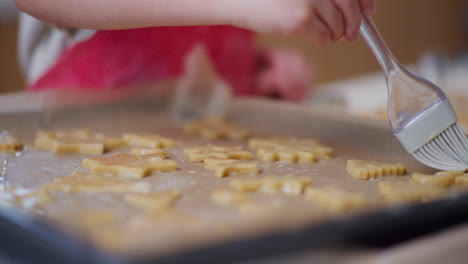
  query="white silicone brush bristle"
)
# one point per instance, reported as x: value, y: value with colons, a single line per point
x: 447, y: 151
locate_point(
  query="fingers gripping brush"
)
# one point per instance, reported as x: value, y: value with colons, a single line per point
x: 420, y: 113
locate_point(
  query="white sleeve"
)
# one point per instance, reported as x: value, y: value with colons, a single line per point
x: 41, y: 44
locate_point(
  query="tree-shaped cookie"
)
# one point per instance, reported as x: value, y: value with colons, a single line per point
x: 82, y: 141
x: 128, y: 165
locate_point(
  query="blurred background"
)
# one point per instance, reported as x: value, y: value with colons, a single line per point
x: 411, y: 29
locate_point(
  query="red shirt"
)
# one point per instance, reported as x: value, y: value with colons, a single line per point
x: 122, y: 57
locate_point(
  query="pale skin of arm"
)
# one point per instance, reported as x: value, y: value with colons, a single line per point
x: 323, y: 21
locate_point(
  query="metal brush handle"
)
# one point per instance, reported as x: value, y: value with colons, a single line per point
x: 408, y: 94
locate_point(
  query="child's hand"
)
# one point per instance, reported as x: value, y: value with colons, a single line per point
x: 322, y: 20
x: 286, y: 75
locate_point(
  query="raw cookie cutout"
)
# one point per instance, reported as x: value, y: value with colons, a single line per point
x: 288, y: 184
x: 400, y: 192
x: 440, y: 179
x: 225, y: 167
x: 216, y: 128
x: 82, y: 141
x: 289, y: 150
x: 153, y: 201
x: 86, y: 183
x: 334, y: 199
x: 461, y: 180
x: 130, y: 166
x: 148, y: 151
x: 228, y: 197
x: 149, y: 141
x: 365, y: 170
x: 8, y: 143
x: 199, y: 154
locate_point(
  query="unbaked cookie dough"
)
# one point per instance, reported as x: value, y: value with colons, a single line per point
x: 440, y: 179
x: 288, y: 184
x: 334, y: 199
x: 82, y: 141
x: 365, y: 170
x: 225, y: 167
x: 8, y: 143
x: 199, y: 154
x: 289, y: 150
x: 93, y: 219
x: 149, y: 141
x: 128, y: 165
x: 77, y: 182
x: 224, y: 160
x: 148, y: 151
x: 400, y: 192
x: 88, y: 183
x: 27, y: 199
x: 229, y: 197
x: 153, y: 201
x: 216, y: 128
x: 461, y: 180
x: 286, y: 155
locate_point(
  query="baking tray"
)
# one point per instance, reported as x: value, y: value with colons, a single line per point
x: 351, y: 138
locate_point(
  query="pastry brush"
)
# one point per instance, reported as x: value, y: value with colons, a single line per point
x: 420, y: 113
